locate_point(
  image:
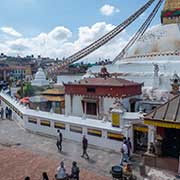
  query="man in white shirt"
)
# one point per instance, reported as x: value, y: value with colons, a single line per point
x: 124, y: 151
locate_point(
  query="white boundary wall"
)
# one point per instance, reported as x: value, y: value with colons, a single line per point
x: 103, y: 134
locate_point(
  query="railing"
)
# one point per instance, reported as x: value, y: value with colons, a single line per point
x: 98, y: 133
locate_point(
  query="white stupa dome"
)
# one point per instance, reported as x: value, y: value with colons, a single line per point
x: 40, y: 79
x: 159, y: 45
x: 160, y: 39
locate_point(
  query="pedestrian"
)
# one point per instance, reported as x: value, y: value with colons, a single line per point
x: 61, y: 172
x: 6, y: 112
x: 10, y: 113
x: 2, y: 113
x: 74, y: 171
x: 45, y: 176
x: 129, y: 145
x: 124, y: 151
x: 85, y: 146
x: 59, y: 140
x: 27, y: 178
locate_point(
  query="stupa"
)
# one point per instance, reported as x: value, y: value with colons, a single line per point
x: 160, y: 45
x: 40, y: 79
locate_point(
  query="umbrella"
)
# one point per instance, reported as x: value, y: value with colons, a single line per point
x: 25, y: 100
x: 37, y: 99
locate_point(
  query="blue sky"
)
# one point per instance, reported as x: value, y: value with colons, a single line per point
x: 30, y: 18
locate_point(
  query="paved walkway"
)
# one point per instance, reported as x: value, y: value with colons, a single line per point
x: 100, y: 160
x: 17, y: 163
x: 22, y: 150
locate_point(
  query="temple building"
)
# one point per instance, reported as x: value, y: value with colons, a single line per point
x: 93, y: 97
x: 164, y: 132
x: 158, y: 48
x: 40, y: 79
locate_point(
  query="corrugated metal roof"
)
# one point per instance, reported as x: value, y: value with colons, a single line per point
x: 170, y: 111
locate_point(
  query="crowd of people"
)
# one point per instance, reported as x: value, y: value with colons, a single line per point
x: 7, y: 113
x: 62, y: 174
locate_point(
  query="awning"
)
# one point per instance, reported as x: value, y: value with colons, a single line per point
x: 165, y: 124
x: 90, y: 100
x: 140, y: 128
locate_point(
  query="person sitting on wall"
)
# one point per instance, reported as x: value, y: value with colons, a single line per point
x: 152, y: 149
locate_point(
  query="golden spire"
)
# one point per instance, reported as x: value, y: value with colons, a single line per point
x: 171, y: 12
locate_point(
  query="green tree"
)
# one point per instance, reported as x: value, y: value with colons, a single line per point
x: 28, y: 90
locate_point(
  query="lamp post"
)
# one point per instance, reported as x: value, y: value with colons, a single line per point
x: 21, y: 77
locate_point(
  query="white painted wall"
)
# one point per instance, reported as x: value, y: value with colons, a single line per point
x: 102, y: 141
x: 108, y: 102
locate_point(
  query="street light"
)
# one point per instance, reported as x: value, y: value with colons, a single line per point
x: 21, y: 77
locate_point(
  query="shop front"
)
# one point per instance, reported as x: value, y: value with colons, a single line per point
x: 140, y: 133
x: 164, y: 132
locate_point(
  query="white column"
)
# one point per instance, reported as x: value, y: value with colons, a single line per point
x: 151, y: 134
x: 85, y: 110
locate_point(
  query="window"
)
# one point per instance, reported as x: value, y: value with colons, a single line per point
x: 94, y: 132
x: 115, y: 136
x: 76, y: 129
x: 91, y: 89
x: 91, y: 108
x: 59, y: 125
x: 45, y: 123
x: 32, y: 120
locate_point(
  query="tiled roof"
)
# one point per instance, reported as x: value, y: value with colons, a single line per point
x: 53, y: 92
x: 169, y: 111
x: 54, y: 98
x: 106, y: 82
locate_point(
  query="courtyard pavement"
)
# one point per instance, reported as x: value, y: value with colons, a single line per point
x: 31, y: 154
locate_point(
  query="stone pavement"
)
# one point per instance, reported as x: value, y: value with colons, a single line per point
x: 17, y: 163
x: 100, y: 160
x: 22, y: 150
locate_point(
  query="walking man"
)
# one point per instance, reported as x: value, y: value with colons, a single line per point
x: 124, y: 151
x: 129, y: 145
x: 10, y: 113
x: 84, y: 146
x: 2, y: 113
x: 7, y: 113
x: 59, y: 140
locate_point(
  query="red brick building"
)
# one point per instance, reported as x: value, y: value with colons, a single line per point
x: 93, y: 97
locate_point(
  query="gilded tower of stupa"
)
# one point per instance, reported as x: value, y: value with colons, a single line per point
x: 171, y: 12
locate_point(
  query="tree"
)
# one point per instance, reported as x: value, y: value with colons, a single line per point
x: 28, y: 90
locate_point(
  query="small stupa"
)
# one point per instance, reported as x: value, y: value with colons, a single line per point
x: 40, y: 79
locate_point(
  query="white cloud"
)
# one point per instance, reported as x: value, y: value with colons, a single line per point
x: 108, y: 10
x: 60, y: 33
x: 57, y: 43
x: 11, y: 31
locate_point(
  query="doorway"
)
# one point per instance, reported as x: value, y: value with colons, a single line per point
x: 140, y: 139
x: 171, y: 143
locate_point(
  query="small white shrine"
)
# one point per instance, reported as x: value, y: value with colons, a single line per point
x: 40, y: 79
